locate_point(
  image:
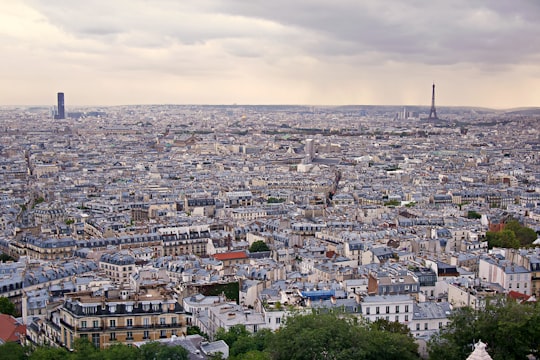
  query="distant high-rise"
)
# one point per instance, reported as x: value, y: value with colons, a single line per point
x: 61, y: 111
x: 433, y: 111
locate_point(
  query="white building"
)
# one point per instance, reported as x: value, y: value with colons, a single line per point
x: 510, y: 276
x: 389, y: 307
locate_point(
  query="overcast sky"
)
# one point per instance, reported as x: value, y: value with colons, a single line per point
x: 319, y: 52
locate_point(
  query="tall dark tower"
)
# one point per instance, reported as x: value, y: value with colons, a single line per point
x: 433, y: 112
x: 61, y: 114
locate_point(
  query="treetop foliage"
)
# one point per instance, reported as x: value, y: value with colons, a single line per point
x: 513, y: 236
x: 85, y: 350
x: 509, y: 329
x: 321, y: 336
x: 258, y: 246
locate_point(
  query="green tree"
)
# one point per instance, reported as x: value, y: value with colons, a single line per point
x: 391, y: 326
x: 5, y: 257
x: 49, y: 353
x: 232, y: 335
x: 471, y: 214
x: 510, y: 329
x: 158, y: 351
x: 13, y: 351
x: 254, y: 355
x: 6, y: 306
x: 258, y: 246
x: 273, y: 200
x: 121, y: 352
x: 336, y: 336
x: 195, y: 330
x: 504, y: 239
x: 85, y: 350
x: 526, y: 236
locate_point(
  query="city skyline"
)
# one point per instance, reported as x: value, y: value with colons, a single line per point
x: 308, y: 53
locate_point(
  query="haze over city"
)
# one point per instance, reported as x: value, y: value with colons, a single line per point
x: 482, y: 53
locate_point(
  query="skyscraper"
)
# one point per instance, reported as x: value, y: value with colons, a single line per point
x: 61, y: 111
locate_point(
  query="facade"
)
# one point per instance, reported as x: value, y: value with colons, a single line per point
x: 510, y: 276
x: 49, y: 249
x: 389, y: 307
x: 118, y: 266
x: 185, y: 240
x: 118, y: 316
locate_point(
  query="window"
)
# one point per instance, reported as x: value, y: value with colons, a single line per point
x: 112, y: 323
x: 95, y: 340
x: 129, y: 322
x: 129, y: 335
x: 377, y: 310
x: 440, y: 325
x: 397, y: 318
x: 95, y: 323
x: 406, y: 317
x: 425, y: 326
x: 388, y: 309
x: 162, y: 321
x: 173, y: 321
x: 367, y: 310
x: 417, y: 326
x: 278, y: 320
x: 146, y: 334
x: 406, y: 308
x: 83, y: 324
x: 397, y: 309
x: 163, y: 334
x: 146, y: 321
x: 112, y: 336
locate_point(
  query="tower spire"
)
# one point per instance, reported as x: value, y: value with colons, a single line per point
x: 433, y: 111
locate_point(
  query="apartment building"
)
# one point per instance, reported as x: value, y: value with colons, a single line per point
x: 119, y: 316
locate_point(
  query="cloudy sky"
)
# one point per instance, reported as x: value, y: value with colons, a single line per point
x: 320, y: 52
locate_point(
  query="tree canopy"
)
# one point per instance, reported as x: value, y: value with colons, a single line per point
x: 510, y: 330
x: 5, y: 257
x: 7, y: 307
x: 321, y: 336
x: 84, y: 349
x: 258, y: 246
x: 513, y: 236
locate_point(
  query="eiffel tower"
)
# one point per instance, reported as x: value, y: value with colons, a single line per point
x: 433, y: 111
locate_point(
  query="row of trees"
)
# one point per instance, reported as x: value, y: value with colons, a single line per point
x: 85, y: 350
x: 322, y: 336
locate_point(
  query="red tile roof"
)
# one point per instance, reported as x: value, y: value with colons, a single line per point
x: 520, y: 296
x: 10, y: 328
x: 233, y: 255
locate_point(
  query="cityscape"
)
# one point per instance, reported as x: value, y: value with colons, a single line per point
x: 380, y: 211
x: 269, y: 180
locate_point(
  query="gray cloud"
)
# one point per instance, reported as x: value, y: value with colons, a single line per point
x: 309, y: 50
